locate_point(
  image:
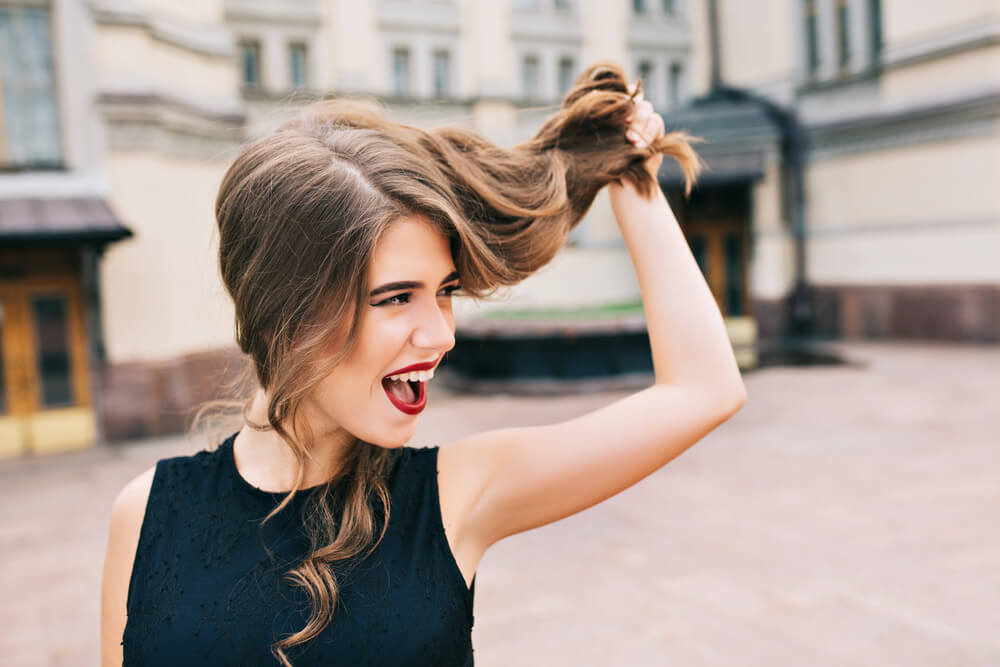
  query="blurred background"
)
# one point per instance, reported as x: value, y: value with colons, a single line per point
x: 848, y: 223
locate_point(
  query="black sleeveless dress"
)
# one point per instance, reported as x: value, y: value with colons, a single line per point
x: 204, y: 590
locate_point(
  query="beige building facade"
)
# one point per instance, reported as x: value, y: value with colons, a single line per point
x: 119, y: 118
x: 898, y: 105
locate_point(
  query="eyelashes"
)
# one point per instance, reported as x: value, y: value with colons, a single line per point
x: 404, y: 297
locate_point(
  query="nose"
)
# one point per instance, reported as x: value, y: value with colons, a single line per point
x: 436, y: 329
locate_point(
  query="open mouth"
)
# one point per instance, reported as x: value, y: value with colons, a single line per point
x: 409, y: 396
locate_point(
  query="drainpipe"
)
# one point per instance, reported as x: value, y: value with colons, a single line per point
x: 715, y: 59
x: 793, y: 154
x: 801, y: 318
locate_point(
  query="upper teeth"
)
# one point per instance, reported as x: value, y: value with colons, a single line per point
x: 414, y: 376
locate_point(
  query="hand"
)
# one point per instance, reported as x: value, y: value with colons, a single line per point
x: 645, y: 127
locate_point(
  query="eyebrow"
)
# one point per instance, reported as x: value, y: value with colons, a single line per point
x: 407, y: 284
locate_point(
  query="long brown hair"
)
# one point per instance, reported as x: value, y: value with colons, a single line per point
x: 301, y: 211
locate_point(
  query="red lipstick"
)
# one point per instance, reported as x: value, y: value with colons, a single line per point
x: 419, y: 387
x: 425, y: 366
x: 409, y: 408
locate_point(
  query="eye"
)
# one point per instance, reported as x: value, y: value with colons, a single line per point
x: 396, y: 300
x: 404, y: 297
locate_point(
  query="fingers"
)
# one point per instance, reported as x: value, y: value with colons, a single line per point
x: 645, y: 125
x: 631, y: 91
x: 654, y: 126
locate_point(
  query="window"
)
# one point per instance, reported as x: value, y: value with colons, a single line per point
x: 811, y: 35
x: 299, y: 73
x: 669, y: 7
x: 442, y: 74
x: 250, y: 62
x: 875, y: 28
x: 564, y: 5
x: 29, y: 119
x: 525, y: 4
x: 529, y: 78
x: 566, y: 71
x: 843, y: 33
x: 401, y: 72
x: 676, y: 72
x: 51, y: 321
x: 645, y: 72
x: 639, y: 6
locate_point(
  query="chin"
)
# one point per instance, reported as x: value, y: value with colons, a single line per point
x: 394, y: 440
x: 389, y: 444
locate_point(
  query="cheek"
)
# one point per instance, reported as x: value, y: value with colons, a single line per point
x: 382, y: 341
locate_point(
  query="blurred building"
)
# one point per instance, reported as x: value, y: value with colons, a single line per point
x: 858, y: 144
x: 119, y: 117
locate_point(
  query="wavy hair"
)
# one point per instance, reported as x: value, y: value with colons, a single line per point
x: 309, y: 203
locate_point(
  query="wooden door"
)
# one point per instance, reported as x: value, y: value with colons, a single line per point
x: 44, y: 379
x: 721, y: 248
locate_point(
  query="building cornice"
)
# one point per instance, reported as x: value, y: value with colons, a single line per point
x: 287, y: 13
x: 953, y: 119
x: 205, y: 39
x: 942, y: 43
x: 158, y: 122
x: 465, y: 103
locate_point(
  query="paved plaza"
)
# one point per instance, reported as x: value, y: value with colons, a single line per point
x: 846, y: 516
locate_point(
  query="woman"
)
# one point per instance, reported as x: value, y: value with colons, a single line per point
x: 312, y: 535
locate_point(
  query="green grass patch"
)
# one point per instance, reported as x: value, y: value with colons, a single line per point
x: 610, y: 310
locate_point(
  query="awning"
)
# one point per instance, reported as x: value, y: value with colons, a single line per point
x: 69, y: 219
x: 737, y: 133
x: 720, y: 168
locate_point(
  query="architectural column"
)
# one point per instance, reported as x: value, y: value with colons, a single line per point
x: 605, y: 31
x: 488, y: 69
x: 356, y: 61
x: 274, y: 62
x: 605, y: 37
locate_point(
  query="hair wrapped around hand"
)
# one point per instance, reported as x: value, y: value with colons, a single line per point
x: 527, y: 199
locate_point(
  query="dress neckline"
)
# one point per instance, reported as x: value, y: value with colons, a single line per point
x: 228, y: 450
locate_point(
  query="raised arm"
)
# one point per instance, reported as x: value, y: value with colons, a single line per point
x: 510, y: 480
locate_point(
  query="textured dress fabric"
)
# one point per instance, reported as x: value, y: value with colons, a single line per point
x: 205, y: 591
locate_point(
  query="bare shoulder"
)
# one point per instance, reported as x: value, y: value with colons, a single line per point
x: 462, y: 475
x: 127, y: 514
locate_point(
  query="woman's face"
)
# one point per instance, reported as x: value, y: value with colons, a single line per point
x: 405, y: 320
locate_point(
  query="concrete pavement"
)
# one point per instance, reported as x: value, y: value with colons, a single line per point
x: 846, y: 516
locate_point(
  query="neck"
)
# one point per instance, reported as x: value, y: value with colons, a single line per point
x: 265, y: 460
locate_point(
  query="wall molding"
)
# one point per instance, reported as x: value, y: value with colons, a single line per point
x: 205, y: 39
x: 891, y: 227
x: 948, y: 41
x: 151, y: 121
x: 954, y: 119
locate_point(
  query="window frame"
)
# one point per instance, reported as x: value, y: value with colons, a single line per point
x: 401, y: 54
x: 531, y: 62
x: 245, y: 44
x: 37, y: 87
x: 303, y: 46
x: 565, y: 73
x: 441, y: 84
